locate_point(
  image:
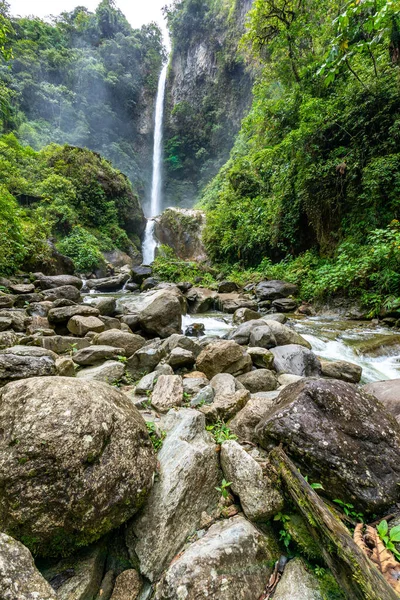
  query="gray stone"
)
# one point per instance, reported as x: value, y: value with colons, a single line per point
x: 287, y: 379
x: 163, y: 315
x: 181, y: 341
x: 200, y: 300
x: 227, y: 287
x: 127, y: 586
x: 78, y: 577
x: 223, y: 356
x: 146, y: 384
x: 261, y: 357
x: 341, y: 369
x: 296, y: 360
x: 230, y: 303
x: 7, y: 339
x: 184, y: 490
x: 21, y: 288
x: 226, y: 406
x: 145, y: 359
x: 64, y: 314
x: 232, y: 560
x: 242, y: 315
x: 387, y: 392
x: 76, y: 461
x: 167, y: 392
x: 62, y: 343
x: 260, y: 380
x: 244, y: 422
x: 110, y: 372
x: 130, y: 342
x: 47, y: 282
x: 5, y: 323
x: 340, y: 436
x: 224, y: 384
x: 285, y: 305
x: 79, y: 325
x: 274, y: 289
x: 108, y: 284
x: 20, y: 319
x: 259, y: 499
x: 106, y: 305
x: 68, y: 292
x: 65, y: 367
x: 140, y: 273
x: 180, y: 358
x: 113, y: 323
x: 29, y: 351
x: 193, y: 385
x: 6, y: 300
x: 272, y: 333
x: 17, y: 366
x: 94, y: 354
x: 298, y: 583
x: 19, y: 578
x: 204, y: 396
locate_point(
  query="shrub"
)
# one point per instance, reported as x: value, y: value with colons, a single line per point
x: 83, y: 248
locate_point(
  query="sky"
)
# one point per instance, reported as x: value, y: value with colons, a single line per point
x: 138, y: 12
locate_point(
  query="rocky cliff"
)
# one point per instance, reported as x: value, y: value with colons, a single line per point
x: 208, y: 92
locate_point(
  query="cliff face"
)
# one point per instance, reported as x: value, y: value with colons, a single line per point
x: 208, y: 93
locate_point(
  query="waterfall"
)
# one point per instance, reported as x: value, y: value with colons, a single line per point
x: 149, y: 241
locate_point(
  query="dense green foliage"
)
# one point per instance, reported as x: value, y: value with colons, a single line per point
x: 208, y: 91
x: 68, y: 193
x: 316, y: 166
x: 86, y: 79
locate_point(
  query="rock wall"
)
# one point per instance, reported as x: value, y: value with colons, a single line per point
x: 181, y: 229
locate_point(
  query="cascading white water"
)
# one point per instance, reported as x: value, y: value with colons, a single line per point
x: 149, y: 241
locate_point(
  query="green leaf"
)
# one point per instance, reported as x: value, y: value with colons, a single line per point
x: 395, y: 534
x: 382, y: 528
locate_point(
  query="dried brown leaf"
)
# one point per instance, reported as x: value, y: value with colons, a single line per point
x: 359, y: 539
x: 382, y: 558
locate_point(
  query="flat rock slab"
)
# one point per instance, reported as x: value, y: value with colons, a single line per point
x: 94, y: 354
x: 64, y: 313
x: 188, y: 475
x: 110, y: 372
x: 167, y: 392
x: 231, y: 561
x: 296, y: 360
x: 80, y: 325
x: 130, y: 342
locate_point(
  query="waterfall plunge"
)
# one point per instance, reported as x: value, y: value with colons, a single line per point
x: 150, y: 242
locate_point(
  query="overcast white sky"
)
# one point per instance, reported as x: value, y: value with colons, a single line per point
x: 138, y: 12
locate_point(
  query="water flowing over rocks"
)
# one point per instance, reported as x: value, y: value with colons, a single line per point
x: 75, y: 461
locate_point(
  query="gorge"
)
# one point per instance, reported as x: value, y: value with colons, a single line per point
x: 200, y: 303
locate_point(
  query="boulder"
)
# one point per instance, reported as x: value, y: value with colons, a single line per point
x: 108, y: 284
x: 204, y: 396
x: 94, y: 354
x: 140, y: 273
x: 181, y: 229
x: 19, y: 318
x: 225, y: 406
x: 19, y: 578
x: 185, y: 489
x: 5, y: 323
x: 106, y: 305
x: 149, y: 284
x: 227, y: 287
x: 113, y: 323
x: 130, y: 342
x: 21, y: 288
x: 232, y: 560
x: 244, y: 422
x: 259, y: 499
x: 22, y: 300
x: 110, y: 372
x: 79, y: 325
x: 22, y: 362
x: 270, y: 333
x: 6, y: 300
x: 296, y: 360
x: 241, y: 315
x: 260, y: 380
x: 286, y: 379
x: 180, y: 358
x: 193, y: 385
x: 167, y: 392
x: 223, y: 384
x: 223, y: 356
x: 261, y: 357
x: 62, y: 343
x: 7, y: 339
x: 387, y: 392
x: 181, y: 341
x: 146, y: 384
x: 298, y: 583
x: 340, y: 436
x: 65, y: 367
x: 163, y: 314
x: 127, y: 585
x: 75, y: 462
x: 47, y: 282
x: 145, y: 359
x: 195, y: 330
x: 65, y: 313
x: 341, y: 369
x: 285, y: 305
x: 200, y: 300
x: 78, y: 577
x: 230, y: 303
x: 67, y: 292
x: 274, y: 289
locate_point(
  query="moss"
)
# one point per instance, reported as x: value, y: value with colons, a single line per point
x: 301, y: 536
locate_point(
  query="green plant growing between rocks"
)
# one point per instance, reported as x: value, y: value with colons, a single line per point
x: 349, y: 511
x: 157, y: 435
x: 221, y: 432
x: 224, y: 488
x: 389, y: 538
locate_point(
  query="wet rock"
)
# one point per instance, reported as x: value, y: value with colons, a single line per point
x: 195, y: 330
x: 270, y: 333
x: 261, y: 357
x: 223, y: 356
x: 184, y: 490
x: 47, y: 282
x: 130, y: 342
x: 244, y: 422
x: 230, y: 561
x: 274, y: 289
x: 94, y: 354
x: 204, y: 396
x: 19, y: 578
x: 242, y: 315
x: 65, y: 313
x: 149, y: 284
x: 225, y: 406
x: 78, y: 577
x: 298, y: 583
x: 341, y: 369
x: 200, y: 300
x: 105, y: 305
x: 230, y: 303
x: 60, y: 488
x: 80, y: 326
x: 387, y: 392
x: 260, y: 380
x: 167, y: 392
x: 110, y: 372
x: 108, y: 284
x: 339, y: 436
x: 285, y: 305
x: 180, y: 358
x: 127, y: 586
x: 258, y: 498
x: 140, y: 273
x: 296, y: 360
x: 67, y: 292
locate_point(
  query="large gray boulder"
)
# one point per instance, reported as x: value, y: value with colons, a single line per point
x: 130, y: 342
x: 223, y: 356
x: 387, y: 392
x: 79, y: 325
x: 185, y: 488
x: 22, y: 362
x: 244, y: 422
x: 298, y: 583
x: 340, y: 436
x: 341, y: 369
x: 145, y: 359
x: 110, y: 372
x: 108, y: 284
x: 64, y: 313
x: 259, y: 499
x: 95, y: 354
x: 259, y: 380
x: 266, y: 333
x: 163, y: 315
x: 61, y: 344
x: 200, y: 300
x: 107, y: 305
x: 296, y: 360
x: 274, y: 289
x: 68, y: 292
x: 232, y: 560
x: 19, y: 318
x: 47, y: 282
x: 19, y: 578
x: 75, y: 462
